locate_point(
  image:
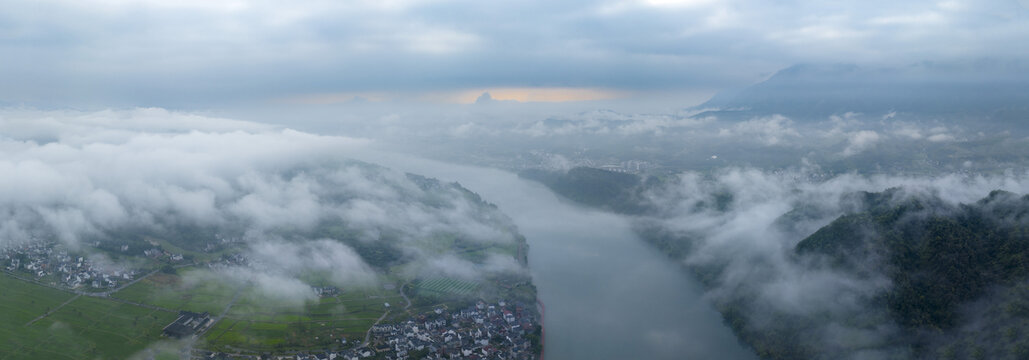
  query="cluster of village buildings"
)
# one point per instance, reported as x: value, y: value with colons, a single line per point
x: 54, y: 265
x: 221, y: 242
x: 482, y: 331
x: 229, y: 260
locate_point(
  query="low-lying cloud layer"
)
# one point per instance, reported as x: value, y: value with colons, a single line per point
x: 517, y: 137
x: 732, y: 220
x: 79, y: 177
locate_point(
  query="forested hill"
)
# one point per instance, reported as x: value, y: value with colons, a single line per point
x: 609, y: 190
x: 953, y: 268
x: 937, y: 256
x: 383, y: 242
x: 913, y: 276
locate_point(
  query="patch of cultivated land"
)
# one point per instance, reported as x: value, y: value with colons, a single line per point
x: 256, y: 323
x: 40, y: 322
x: 170, y: 292
x: 447, y: 286
x: 85, y: 328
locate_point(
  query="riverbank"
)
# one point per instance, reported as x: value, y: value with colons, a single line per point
x: 608, y: 294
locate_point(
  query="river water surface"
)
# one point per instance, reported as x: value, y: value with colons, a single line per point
x: 608, y: 295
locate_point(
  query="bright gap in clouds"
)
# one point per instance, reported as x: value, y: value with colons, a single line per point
x: 519, y: 94
x: 536, y: 95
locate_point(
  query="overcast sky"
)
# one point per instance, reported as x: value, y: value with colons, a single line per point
x: 207, y: 53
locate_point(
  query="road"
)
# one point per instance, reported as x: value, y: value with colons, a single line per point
x: 142, y: 305
x: 108, y: 293
x: 368, y: 334
x: 223, y: 313
x: 102, y: 294
x: 80, y: 293
x: 405, y: 295
x: 53, y: 310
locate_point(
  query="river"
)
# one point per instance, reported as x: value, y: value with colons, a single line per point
x: 608, y: 295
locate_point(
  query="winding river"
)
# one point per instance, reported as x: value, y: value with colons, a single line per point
x: 607, y: 294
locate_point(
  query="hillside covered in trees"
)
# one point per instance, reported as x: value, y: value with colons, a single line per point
x: 948, y: 265
x: 952, y: 281
x: 897, y: 274
x: 613, y: 191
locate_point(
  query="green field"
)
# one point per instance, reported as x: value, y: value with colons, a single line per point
x: 85, y: 328
x: 261, y: 324
x: 258, y: 325
x: 169, y: 291
x: 102, y: 328
x: 446, y: 286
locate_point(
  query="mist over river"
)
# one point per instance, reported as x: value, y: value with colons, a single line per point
x: 607, y: 294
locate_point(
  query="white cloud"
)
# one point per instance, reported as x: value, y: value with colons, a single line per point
x: 678, y: 3
x: 922, y: 19
x: 910, y: 132
x: 330, y: 258
x: 453, y: 266
x: 772, y: 130
x: 439, y: 41
x: 217, y: 52
x: 860, y: 141
x: 940, y: 137
x: 79, y: 174
x: 757, y: 256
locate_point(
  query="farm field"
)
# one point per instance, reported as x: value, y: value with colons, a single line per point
x: 446, y: 286
x: 170, y: 292
x: 98, y: 328
x: 128, y: 324
x: 85, y: 328
x: 256, y: 325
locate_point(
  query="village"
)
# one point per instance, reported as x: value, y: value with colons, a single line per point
x: 56, y: 267
x: 481, y: 331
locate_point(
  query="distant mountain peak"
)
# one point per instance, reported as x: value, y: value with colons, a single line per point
x: 806, y: 70
x: 813, y: 92
x: 484, y: 98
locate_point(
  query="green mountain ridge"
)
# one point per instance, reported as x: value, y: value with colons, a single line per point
x: 938, y: 256
x: 955, y: 275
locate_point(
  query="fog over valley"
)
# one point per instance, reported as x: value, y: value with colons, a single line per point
x: 273, y: 189
x: 451, y: 179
